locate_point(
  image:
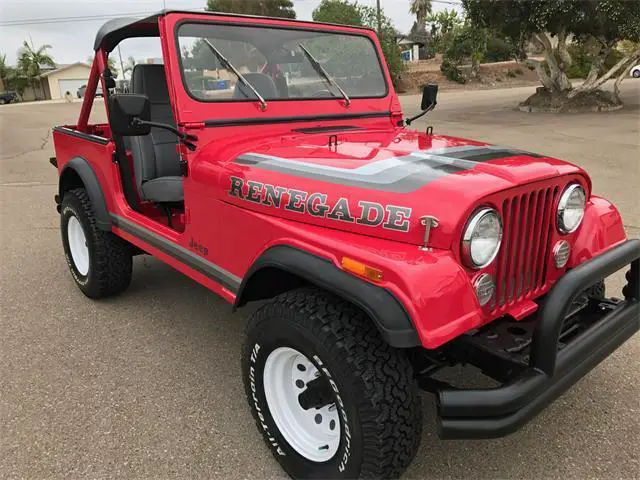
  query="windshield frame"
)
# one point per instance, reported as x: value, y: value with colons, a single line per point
x: 192, y: 21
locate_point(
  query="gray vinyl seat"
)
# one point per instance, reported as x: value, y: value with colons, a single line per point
x: 264, y: 84
x: 155, y: 160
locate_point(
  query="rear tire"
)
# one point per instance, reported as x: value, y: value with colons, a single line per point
x: 636, y: 74
x: 369, y: 388
x: 100, y: 262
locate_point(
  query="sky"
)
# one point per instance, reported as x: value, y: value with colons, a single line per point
x: 47, y: 22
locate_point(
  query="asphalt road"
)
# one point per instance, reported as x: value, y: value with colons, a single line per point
x: 147, y: 385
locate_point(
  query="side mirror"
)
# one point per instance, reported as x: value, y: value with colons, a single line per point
x: 126, y: 110
x: 429, y: 96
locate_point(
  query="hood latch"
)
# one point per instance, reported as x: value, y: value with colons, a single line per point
x: 429, y: 223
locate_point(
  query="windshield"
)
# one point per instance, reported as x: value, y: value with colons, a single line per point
x: 274, y: 62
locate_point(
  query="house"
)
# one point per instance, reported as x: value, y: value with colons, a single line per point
x: 64, y: 78
x: 413, y: 46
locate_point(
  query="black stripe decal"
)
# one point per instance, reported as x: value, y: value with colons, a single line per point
x: 490, y: 153
x: 300, y: 118
x: 226, y: 279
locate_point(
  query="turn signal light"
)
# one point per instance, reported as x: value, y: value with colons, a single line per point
x: 359, y: 268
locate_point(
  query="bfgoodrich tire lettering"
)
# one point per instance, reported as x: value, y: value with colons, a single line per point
x: 373, y: 386
x: 110, y: 260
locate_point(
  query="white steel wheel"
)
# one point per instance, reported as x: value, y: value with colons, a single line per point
x: 78, y: 245
x: 313, y: 432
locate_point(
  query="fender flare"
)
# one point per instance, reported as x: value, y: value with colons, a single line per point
x: 381, y: 305
x: 91, y: 184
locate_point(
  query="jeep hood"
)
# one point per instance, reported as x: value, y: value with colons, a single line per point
x: 378, y: 182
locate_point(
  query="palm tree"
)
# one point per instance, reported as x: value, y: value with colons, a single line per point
x: 111, y: 64
x: 30, y: 61
x: 420, y: 8
x: 128, y: 66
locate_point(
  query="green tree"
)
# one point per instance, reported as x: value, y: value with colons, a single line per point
x: 341, y: 11
x: 12, y: 80
x: 338, y: 11
x: 444, y: 21
x: 466, y: 43
x: 441, y: 27
x: 5, y: 70
x: 598, y: 24
x: 111, y: 63
x: 267, y: 8
x: 30, y: 63
x: 390, y: 47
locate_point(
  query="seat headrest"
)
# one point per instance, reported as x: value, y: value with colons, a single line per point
x: 150, y: 80
x: 261, y: 82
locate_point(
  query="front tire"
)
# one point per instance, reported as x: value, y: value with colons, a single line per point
x: 100, y: 262
x: 330, y: 397
x: 636, y: 74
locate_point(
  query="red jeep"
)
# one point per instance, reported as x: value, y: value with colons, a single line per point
x: 269, y: 160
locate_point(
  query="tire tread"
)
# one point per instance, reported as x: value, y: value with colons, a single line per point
x: 112, y: 262
x: 388, y: 405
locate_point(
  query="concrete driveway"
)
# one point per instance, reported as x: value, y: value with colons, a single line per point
x: 147, y: 385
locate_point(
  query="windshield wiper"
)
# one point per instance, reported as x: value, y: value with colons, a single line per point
x: 321, y: 71
x: 229, y: 65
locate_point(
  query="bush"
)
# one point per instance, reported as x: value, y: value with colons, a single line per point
x: 581, y: 61
x: 466, y: 43
x: 510, y: 73
x: 451, y: 71
x: 499, y: 50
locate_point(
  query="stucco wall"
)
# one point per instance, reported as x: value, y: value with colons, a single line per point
x: 75, y: 72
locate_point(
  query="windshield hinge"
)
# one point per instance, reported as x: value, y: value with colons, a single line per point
x: 193, y: 125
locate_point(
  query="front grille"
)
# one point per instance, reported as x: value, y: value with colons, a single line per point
x: 527, y: 228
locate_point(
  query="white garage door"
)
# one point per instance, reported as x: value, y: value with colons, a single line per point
x: 70, y: 86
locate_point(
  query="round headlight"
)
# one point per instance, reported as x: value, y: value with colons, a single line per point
x: 481, y: 239
x: 571, y: 208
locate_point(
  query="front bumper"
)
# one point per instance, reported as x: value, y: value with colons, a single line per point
x: 553, y: 366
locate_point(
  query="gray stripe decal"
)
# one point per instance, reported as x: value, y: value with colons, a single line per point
x: 211, y: 270
x: 396, y: 174
x: 406, y: 176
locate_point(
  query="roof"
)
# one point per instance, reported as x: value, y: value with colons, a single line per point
x: 117, y: 29
x: 60, y: 68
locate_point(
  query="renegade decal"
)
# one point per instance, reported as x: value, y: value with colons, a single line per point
x: 367, y: 209
x: 396, y: 174
x: 371, y: 214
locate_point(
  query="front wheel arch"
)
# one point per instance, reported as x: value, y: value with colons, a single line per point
x: 283, y: 268
x: 78, y: 173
